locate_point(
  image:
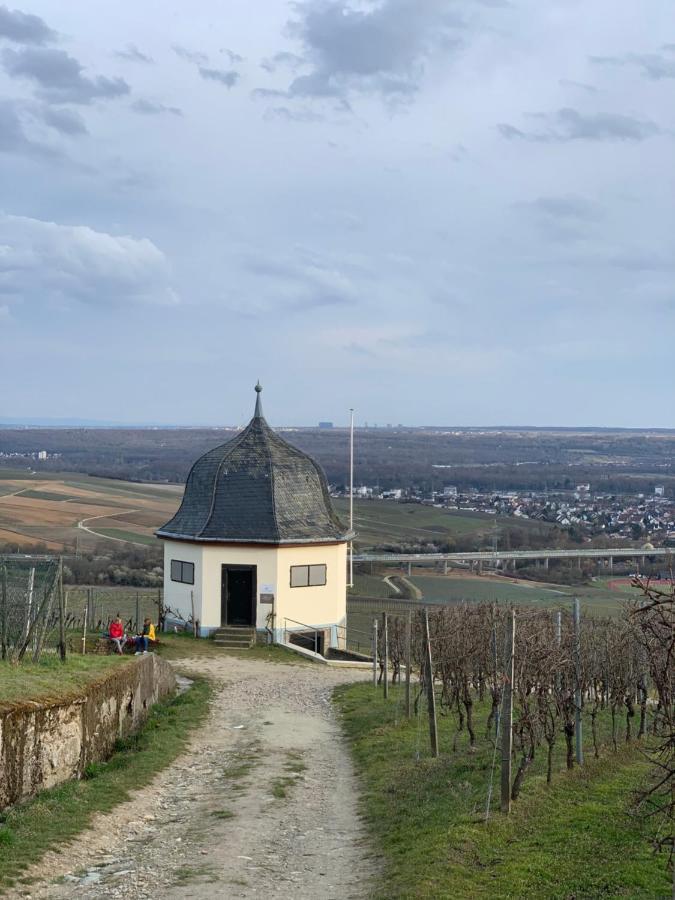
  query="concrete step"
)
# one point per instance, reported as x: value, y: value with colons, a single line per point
x: 231, y: 645
x: 238, y: 638
x: 234, y: 630
x: 233, y: 638
x: 245, y: 642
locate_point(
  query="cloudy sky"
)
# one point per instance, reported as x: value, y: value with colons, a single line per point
x: 435, y: 211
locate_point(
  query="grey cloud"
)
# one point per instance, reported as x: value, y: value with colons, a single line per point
x: 268, y: 94
x: 379, y: 49
x: 562, y: 218
x: 653, y: 65
x: 192, y: 56
x: 571, y: 125
x: 59, y: 76
x: 13, y: 138
x: 132, y: 54
x: 150, y: 108
x: 581, y: 85
x: 229, y: 78
x: 645, y: 261
x: 280, y: 60
x: 65, y: 121
x: 302, y: 281
x: 568, y: 206
x: 292, y: 115
x: 65, y: 263
x: 232, y: 56
x: 24, y: 28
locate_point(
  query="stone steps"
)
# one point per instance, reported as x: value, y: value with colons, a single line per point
x: 233, y: 638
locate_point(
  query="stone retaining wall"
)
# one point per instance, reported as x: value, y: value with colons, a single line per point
x: 45, y: 743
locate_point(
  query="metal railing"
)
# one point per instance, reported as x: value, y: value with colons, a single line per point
x: 355, y: 639
x: 294, y: 633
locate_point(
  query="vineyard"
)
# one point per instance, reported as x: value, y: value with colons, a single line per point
x: 522, y: 707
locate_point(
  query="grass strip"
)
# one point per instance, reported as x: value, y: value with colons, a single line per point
x: 57, y: 816
x: 184, y: 646
x: 51, y: 679
x: 572, y: 839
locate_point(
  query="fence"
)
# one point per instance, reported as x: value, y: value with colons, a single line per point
x: 102, y: 604
x: 32, y: 615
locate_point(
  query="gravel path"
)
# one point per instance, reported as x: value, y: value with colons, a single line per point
x: 262, y: 805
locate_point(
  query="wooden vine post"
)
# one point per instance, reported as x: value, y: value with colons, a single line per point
x: 507, y: 715
x: 578, y: 733
x: 62, y: 615
x: 374, y: 653
x: 431, y: 697
x: 385, y: 655
x: 3, y: 611
x: 408, y: 655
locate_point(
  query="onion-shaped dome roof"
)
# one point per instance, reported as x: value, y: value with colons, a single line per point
x: 256, y: 488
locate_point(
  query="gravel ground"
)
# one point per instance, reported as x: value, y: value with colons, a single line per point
x: 262, y: 805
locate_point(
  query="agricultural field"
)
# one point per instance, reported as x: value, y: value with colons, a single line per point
x: 597, y: 598
x: 69, y: 511
x: 380, y: 522
x: 601, y: 598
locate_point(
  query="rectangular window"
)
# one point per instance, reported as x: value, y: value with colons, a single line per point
x: 308, y: 576
x: 183, y: 572
x: 317, y: 575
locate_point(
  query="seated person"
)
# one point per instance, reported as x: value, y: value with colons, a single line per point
x: 116, y: 633
x: 148, y: 634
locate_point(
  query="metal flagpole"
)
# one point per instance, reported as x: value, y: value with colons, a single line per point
x: 351, y: 496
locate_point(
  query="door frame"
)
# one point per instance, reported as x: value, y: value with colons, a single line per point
x: 224, y: 593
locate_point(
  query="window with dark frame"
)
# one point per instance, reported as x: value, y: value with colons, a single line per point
x: 308, y: 576
x: 183, y: 572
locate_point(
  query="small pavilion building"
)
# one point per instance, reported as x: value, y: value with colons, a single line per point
x: 255, y: 544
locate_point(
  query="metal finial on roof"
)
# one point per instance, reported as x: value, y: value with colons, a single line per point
x: 258, y: 414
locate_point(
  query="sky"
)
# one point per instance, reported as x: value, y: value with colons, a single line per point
x: 433, y: 211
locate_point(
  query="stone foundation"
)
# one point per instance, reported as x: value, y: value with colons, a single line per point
x: 44, y: 743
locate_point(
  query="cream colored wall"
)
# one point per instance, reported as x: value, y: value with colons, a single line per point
x: 314, y: 606
x: 265, y: 558
x: 177, y: 595
x: 325, y: 605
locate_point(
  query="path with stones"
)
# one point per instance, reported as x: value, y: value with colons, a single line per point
x: 264, y: 803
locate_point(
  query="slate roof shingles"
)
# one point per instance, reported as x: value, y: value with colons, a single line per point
x: 256, y: 488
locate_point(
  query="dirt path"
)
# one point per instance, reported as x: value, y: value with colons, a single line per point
x: 262, y: 805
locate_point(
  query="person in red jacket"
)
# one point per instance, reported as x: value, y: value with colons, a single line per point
x: 117, y: 635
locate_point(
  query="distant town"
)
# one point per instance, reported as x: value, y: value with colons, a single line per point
x: 623, y: 517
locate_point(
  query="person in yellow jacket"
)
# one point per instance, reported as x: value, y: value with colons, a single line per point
x: 147, y: 635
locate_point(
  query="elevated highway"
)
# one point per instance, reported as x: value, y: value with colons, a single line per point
x: 506, y: 558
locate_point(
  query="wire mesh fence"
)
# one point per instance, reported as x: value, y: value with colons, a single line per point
x: 101, y: 605
x: 32, y: 619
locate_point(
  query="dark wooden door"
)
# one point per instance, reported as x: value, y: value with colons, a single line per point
x: 237, y: 603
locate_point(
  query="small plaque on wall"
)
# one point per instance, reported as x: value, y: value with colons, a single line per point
x: 267, y: 598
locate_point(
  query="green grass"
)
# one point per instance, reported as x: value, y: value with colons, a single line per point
x: 383, y: 521
x: 50, y: 679
x: 595, y: 598
x: 573, y: 839
x: 48, y: 495
x: 294, y: 766
x: 371, y: 586
x: 58, y: 815
x: 223, y: 813
x: 183, y: 646
x: 123, y: 535
x: 455, y: 590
